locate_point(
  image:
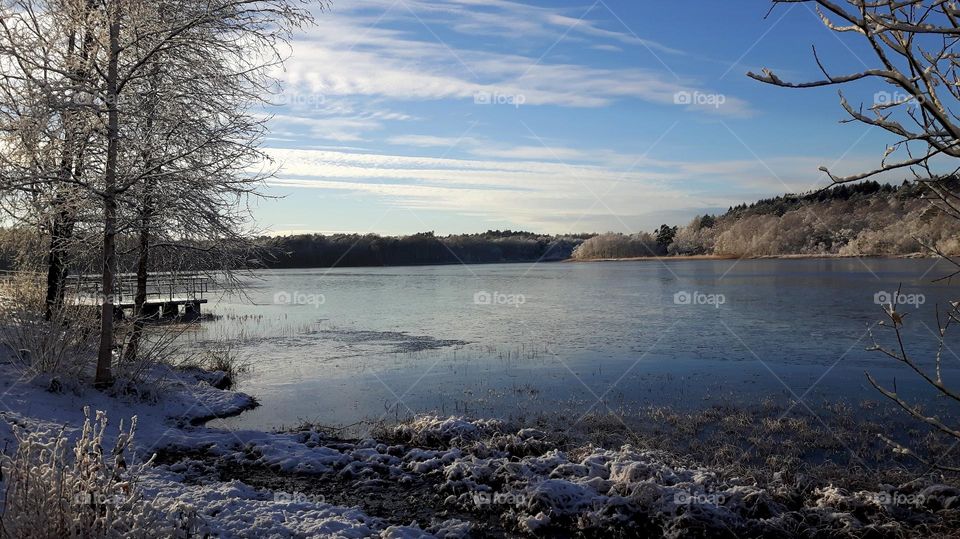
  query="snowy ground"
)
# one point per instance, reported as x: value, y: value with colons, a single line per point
x: 456, y: 477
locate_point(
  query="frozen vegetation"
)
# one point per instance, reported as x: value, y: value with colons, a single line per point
x: 77, y: 463
x: 866, y: 219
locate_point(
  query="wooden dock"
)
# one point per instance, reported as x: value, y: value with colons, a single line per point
x: 170, y: 296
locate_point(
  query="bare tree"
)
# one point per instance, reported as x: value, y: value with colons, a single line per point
x: 196, y: 158
x: 241, y: 38
x: 167, y: 91
x: 913, y: 42
x: 914, y: 45
x: 45, y: 54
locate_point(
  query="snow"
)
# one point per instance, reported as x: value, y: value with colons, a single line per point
x: 475, y: 464
x: 169, y: 400
x: 166, y: 416
x: 236, y: 510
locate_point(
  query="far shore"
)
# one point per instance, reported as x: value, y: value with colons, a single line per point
x: 734, y: 257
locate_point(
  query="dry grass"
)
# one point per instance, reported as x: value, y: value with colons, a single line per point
x: 220, y: 357
x: 841, y: 446
x: 56, y: 489
x: 63, y: 346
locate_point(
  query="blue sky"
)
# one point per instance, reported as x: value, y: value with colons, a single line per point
x: 401, y: 116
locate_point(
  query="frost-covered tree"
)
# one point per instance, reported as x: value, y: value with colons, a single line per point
x: 613, y: 245
x: 140, y: 116
x: 915, y: 68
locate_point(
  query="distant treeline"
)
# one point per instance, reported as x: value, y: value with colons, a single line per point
x: 866, y: 219
x: 346, y: 250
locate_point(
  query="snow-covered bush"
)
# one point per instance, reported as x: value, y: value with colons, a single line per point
x: 222, y: 358
x: 697, y: 238
x: 158, y: 347
x: 612, y: 245
x: 429, y: 430
x: 61, y: 346
x: 50, y: 491
x: 64, y: 346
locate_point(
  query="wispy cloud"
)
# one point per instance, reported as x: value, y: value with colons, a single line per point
x: 406, y: 69
x: 388, y: 50
x: 543, y: 194
x: 499, y: 18
x: 380, y: 106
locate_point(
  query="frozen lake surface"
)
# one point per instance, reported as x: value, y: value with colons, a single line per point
x: 343, y: 345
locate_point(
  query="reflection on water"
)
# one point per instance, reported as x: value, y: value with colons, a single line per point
x: 338, y: 346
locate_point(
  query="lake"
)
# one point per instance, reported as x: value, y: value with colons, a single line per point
x: 337, y: 346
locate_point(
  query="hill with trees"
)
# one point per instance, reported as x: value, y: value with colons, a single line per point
x: 345, y: 250
x: 863, y: 219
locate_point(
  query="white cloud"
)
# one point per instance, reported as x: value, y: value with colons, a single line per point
x: 606, y: 47
x: 486, y: 149
x: 340, y: 129
x: 547, y: 153
x: 359, y: 57
x: 418, y: 70
x: 350, y: 54
x: 430, y: 141
x: 501, y: 18
x: 543, y: 195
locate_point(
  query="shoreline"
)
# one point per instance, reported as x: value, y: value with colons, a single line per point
x: 754, y: 257
x: 459, y: 476
x: 624, y: 259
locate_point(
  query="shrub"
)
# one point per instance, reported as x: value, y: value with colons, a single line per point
x: 62, y: 346
x: 611, y: 245
x: 220, y: 357
x: 50, y: 492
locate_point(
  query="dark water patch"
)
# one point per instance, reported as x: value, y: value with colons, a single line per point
x: 399, y: 341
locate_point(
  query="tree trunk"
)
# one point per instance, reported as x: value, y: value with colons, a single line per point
x: 71, y: 164
x: 57, y: 263
x: 104, y: 376
x: 56, y: 258
x: 143, y: 261
x: 146, y: 221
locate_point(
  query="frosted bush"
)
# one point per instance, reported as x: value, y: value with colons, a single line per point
x: 62, y: 346
x: 886, y: 223
x: 50, y: 491
x: 694, y: 239
x: 433, y: 430
x: 611, y: 245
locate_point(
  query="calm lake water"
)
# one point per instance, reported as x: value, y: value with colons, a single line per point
x: 343, y: 345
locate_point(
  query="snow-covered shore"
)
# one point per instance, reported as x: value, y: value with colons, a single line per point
x: 479, y: 476
x: 168, y: 408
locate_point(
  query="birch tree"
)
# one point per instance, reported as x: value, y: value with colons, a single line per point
x: 169, y: 90
x: 237, y: 40
x: 45, y: 127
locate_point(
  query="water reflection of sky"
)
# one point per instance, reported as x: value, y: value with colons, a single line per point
x: 395, y: 341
